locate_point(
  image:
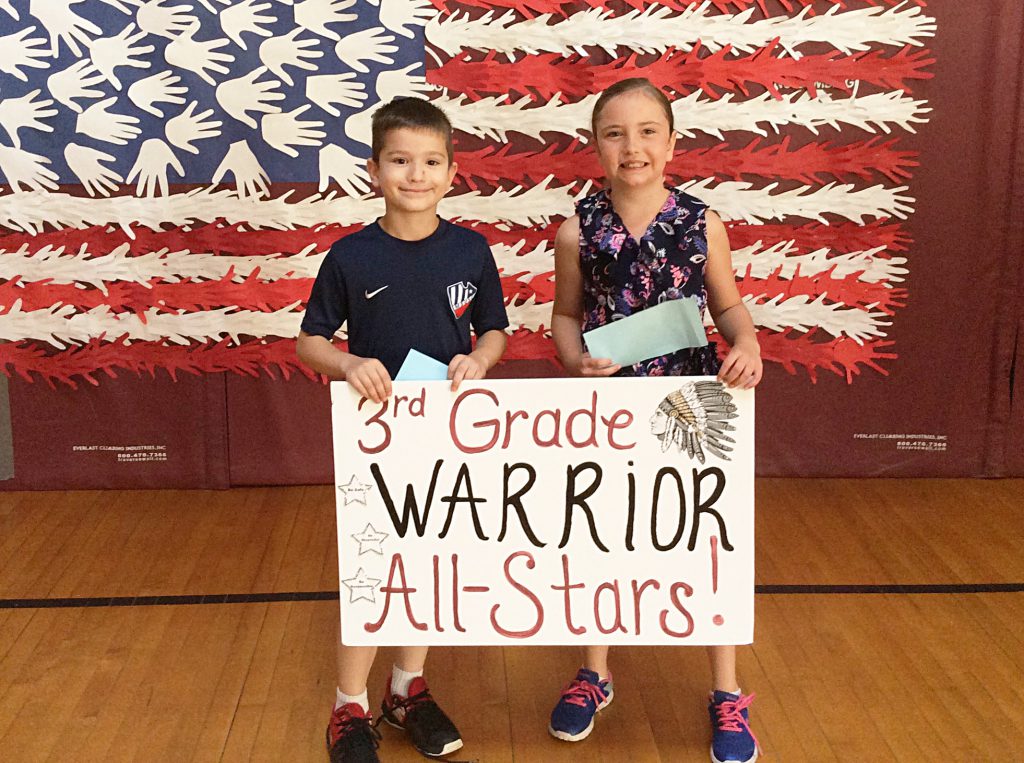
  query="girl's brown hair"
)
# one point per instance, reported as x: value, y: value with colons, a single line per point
x: 628, y: 86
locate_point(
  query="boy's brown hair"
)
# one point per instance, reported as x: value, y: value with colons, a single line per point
x: 412, y: 113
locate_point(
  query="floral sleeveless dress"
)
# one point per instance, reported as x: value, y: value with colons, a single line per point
x: 622, y: 276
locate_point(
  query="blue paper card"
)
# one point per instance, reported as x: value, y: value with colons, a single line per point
x: 420, y: 367
x: 659, y: 330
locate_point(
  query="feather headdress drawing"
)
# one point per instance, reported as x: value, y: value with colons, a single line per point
x: 696, y: 418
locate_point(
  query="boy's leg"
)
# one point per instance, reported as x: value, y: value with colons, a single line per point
x: 354, y: 663
x: 408, y: 704
x: 350, y: 735
x: 732, y: 739
x: 573, y: 717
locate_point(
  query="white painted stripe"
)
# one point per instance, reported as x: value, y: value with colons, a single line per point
x: 494, y: 117
x: 84, y: 267
x: 538, y: 205
x: 757, y: 261
x: 655, y: 29
x: 62, y: 325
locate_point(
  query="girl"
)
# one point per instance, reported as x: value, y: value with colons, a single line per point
x: 631, y: 246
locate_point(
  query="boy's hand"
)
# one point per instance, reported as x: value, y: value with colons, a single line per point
x: 369, y: 378
x: 465, y: 367
x: 589, y: 366
x: 742, y: 366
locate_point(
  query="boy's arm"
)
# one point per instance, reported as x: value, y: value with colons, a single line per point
x: 368, y: 376
x: 567, y: 311
x: 742, y: 366
x: 489, y: 349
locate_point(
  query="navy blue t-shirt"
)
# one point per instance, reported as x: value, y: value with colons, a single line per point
x: 399, y: 295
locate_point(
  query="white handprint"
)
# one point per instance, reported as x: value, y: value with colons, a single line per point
x: 18, y: 51
x: 325, y: 89
x: 24, y: 169
x: 162, y: 88
x: 63, y: 24
x: 75, y: 82
x: 125, y: 6
x: 346, y: 170
x: 282, y: 131
x: 250, y: 178
x: 394, y: 83
x: 154, y: 158
x: 110, y: 127
x: 188, y: 127
x: 366, y: 45
x: 108, y: 53
x: 246, y: 17
x: 6, y: 5
x: 210, y: 7
x: 358, y: 126
x: 85, y: 163
x: 396, y: 15
x: 237, y: 96
x: 315, y: 15
x: 198, y: 55
x: 165, y: 21
x: 288, y: 50
x: 17, y: 113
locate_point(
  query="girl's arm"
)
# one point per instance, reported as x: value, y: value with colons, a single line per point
x: 567, y: 312
x: 742, y: 366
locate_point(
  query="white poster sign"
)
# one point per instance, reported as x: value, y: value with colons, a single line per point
x: 549, y: 511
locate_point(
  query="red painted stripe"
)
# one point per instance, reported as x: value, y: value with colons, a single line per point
x: 531, y: 8
x: 545, y: 75
x: 847, y: 290
x: 93, y: 362
x: 841, y: 238
x: 217, y: 237
x: 811, y: 163
x: 188, y: 296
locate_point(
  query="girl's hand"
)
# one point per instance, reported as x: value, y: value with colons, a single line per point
x: 369, y: 378
x: 742, y: 366
x: 465, y: 367
x: 589, y: 366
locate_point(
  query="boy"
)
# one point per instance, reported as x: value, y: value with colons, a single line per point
x: 408, y: 281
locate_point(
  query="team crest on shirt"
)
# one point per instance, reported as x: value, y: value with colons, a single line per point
x: 459, y: 296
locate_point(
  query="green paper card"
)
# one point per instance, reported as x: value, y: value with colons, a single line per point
x: 659, y: 330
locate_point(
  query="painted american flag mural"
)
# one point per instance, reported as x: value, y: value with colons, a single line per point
x: 173, y: 171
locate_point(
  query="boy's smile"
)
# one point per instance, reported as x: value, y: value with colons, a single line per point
x: 413, y: 171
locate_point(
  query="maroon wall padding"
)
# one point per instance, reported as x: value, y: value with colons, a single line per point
x: 125, y: 433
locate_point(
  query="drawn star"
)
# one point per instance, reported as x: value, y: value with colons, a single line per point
x: 370, y: 540
x: 361, y: 587
x: 355, y: 491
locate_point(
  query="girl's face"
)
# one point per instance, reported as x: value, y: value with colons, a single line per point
x: 634, y: 142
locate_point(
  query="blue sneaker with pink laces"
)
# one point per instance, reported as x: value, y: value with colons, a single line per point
x: 573, y: 716
x: 732, y: 741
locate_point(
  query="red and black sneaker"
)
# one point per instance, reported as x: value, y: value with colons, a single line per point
x: 351, y: 737
x: 431, y: 731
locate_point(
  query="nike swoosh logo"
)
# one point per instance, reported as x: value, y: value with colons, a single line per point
x: 372, y: 294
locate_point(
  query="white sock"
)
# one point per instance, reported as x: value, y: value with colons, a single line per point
x: 400, y: 680
x: 360, y: 699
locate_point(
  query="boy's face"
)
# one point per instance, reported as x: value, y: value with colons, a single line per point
x: 634, y: 142
x: 413, y: 171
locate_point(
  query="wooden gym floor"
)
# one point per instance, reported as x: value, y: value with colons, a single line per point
x: 889, y: 627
